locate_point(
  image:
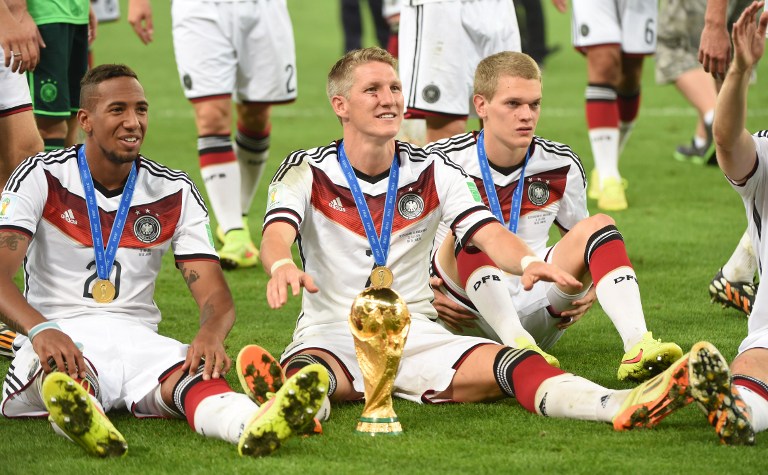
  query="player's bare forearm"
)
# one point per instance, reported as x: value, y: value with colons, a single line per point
x: 276, y: 242
x: 14, y: 309
x: 504, y: 248
x: 206, y: 282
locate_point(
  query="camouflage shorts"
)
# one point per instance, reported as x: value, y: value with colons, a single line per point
x: 680, y: 26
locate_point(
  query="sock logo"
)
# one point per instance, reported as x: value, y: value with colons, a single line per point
x: 543, y: 405
x: 485, y: 278
x: 604, y: 400
x: 622, y: 278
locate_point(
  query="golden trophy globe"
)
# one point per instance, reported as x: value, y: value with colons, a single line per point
x: 379, y: 321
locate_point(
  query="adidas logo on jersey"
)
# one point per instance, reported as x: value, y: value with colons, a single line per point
x: 69, y: 216
x: 336, y: 204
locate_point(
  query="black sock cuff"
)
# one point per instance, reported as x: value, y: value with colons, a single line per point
x: 504, y: 365
x: 599, y: 238
x: 300, y: 360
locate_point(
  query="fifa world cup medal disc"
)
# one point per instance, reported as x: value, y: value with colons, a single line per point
x: 103, y: 291
x: 381, y: 277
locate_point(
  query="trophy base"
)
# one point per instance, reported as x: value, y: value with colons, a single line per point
x: 374, y: 426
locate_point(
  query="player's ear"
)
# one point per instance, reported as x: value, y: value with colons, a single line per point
x: 84, y: 119
x: 340, y: 106
x: 480, y: 104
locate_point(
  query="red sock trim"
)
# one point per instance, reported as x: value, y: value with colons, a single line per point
x: 469, y: 260
x: 200, y: 391
x: 606, y: 258
x: 253, y: 134
x: 602, y: 114
x: 754, y: 386
x: 528, y: 375
x: 217, y: 158
x: 628, y: 107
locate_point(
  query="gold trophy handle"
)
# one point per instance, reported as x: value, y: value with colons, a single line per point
x: 379, y: 321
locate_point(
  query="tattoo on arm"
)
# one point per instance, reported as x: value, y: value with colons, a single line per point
x: 190, y: 276
x: 206, y: 312
x: 11, y: 240
x: 11, y: 323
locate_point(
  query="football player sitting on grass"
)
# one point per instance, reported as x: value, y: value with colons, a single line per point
x: 91, y: 224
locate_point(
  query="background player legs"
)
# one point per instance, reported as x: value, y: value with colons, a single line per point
x: 699, y: 90
x: 53, y: 130
x: 20, y: 140
x: 441, y: 127
x: 221, y: 174
x: 252, y: 149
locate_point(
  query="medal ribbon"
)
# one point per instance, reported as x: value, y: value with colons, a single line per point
x: 105, y: 258
x: 379, y: 246
x: 490, y: 187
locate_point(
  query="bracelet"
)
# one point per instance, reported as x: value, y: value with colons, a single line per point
x: 528, y: 260
x: 280, y: 263
x: 42, y: 327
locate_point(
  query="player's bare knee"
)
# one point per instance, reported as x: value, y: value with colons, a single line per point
x: 213, y: 117
x: 604, y: 65
x: 253, y: 116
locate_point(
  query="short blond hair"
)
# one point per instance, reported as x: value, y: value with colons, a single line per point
x: 506, y: 63
x: 341, y: 76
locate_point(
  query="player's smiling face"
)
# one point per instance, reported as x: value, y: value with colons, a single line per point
x: 374, y: 106
x: 513, y: 112
x: 117, y: 121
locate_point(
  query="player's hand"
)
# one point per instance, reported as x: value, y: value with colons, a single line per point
x: 93, y: 23
x: 55, y: 346
x: 208, y: 349
x: 140, y: 18
x: 454, y: 315
x: 21, y: 42
x: 539, y: 270
x: 579, y: 308
x: 749, y: 37
x: 561, y: 5
x: 715, y: 50
x: 282, y: 278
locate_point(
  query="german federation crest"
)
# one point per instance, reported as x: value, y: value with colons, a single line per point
x: 538, y: 193
x: 147, y: 229
x: 410, y: 206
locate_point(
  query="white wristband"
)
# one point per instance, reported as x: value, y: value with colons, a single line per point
x: 527, y: 260
x: 280, y: 263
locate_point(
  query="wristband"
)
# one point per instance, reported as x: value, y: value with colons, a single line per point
x: 528, y: 260
x: 42, y: 327
x: 280, y: 263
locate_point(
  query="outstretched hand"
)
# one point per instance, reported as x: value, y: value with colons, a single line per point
x: 540, y: 270
x: 140, y: 18
x: 282, y: 278
x: 749, y: 37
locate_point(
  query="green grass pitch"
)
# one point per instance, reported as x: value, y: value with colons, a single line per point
x: 682, y: 224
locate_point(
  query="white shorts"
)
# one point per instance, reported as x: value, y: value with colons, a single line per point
x: 14, y: 91
x: 531, y: 306
x: 430, y: 358
x: 629, y: 23
x: 244, y: 49
x: 441, y: 45
x: 128, y: 358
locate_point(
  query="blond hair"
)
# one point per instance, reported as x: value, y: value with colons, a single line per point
x: 506, y: 63
x: 340, y: 78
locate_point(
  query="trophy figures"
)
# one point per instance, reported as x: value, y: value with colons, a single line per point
x: 379, y: 321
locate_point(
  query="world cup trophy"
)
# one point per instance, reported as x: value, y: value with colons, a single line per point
x: 379, y: 321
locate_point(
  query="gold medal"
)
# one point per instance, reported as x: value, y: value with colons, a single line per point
x: 381, y: 277
x: 103, y: 291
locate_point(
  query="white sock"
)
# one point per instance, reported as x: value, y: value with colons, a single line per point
x: 758, y: 407
x: 699, y: 142
x: 709, y: 117
x: 224, y: 416
x: 605, y: 150
x: 625, y: 130
x: 222, y: 182
x: 252, y: 156
x: 619, y: 295
x: 573, y: 397
x: 742, y: 264
x: 488, y: 291
x: 560, y: 301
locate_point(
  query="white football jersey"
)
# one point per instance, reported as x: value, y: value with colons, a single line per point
x: 310, y: 192
x: 44, y: 199
x: 754, y: 194
x: 554, y: 191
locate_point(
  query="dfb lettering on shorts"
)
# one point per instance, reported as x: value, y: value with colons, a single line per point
x: 484, y: 279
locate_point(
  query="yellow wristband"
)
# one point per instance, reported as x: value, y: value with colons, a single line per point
x: 528, y: 260
x: 280, y: 263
